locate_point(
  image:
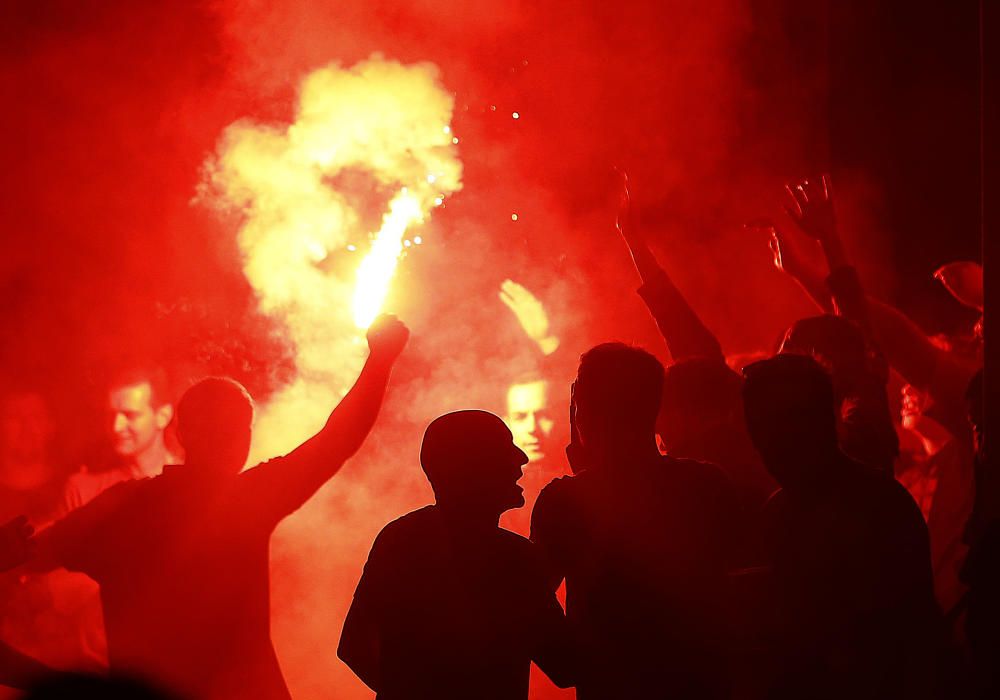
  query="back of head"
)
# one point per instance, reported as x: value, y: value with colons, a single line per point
x: 617, y: 393
x: 471, y: 455
x: 836, y: 342
x: 214, y: 419
x: 702, y: 397
x: 789, y: 407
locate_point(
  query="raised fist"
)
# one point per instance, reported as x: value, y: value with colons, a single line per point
x: 387, y: 337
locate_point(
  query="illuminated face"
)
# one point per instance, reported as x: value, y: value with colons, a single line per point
x: 529, y: 418
x: 135, y: 424
x: 914, y: 404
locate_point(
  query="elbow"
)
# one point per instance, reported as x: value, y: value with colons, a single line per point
x: 562, y: 673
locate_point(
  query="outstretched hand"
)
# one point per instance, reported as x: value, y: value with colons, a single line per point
x: 530, y: 314
x: 387, y: 337
x: 15, y: 543
x: 810, y: 204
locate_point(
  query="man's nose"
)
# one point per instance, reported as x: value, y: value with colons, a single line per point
x: 119, y: 423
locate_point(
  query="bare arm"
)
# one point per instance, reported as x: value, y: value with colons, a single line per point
x: 685, y: 334
x: 303, y: 471
x: 810, y: 205
x: 789, y: 260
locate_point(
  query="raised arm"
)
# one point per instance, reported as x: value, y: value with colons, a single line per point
x: 530, y: 314
x: 789, y: 259
x: 921, y: 363
x: 686, y: 336
x: 302, y: 472
x: 810, y: 205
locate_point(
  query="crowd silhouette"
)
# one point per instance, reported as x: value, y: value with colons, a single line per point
x: 721, y: 532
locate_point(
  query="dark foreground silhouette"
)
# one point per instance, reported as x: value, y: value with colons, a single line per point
x: 450, y: 605
x: 851, y: 609
x: 641, y: 539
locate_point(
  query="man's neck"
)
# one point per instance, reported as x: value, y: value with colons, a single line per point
x: 629, y: 453
x: 150, y: 462
x: 468, y: 520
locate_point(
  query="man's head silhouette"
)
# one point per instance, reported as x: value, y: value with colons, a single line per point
x: 616, y: 398
x: 214, y: 419
x: 789, y: 407
x: 836, y: 343
x: 701, y: 400
x: 472, y: 462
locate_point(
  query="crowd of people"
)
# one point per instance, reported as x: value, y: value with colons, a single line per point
x: 762, y: 531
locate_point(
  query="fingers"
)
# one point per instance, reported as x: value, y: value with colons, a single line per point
x: 792, y: 205
x: 827, y: 187
x: 513, y: 288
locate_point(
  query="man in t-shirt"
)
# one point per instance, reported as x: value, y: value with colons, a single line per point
x: 450, y: 605
x: 641, y: 539
x: 182, y: 558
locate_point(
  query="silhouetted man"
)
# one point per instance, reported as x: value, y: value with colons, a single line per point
x: 450, y: 605
x: 182, y: 559
x: 853, y: 601
x: 641, y: 539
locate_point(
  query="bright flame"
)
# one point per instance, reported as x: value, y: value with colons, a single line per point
x: 376, y: 270
x: 384, y: 125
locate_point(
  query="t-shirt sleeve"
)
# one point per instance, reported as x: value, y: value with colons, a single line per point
x: 272, y: 489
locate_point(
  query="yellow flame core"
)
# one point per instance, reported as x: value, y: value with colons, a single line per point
x: 376, y: 270
x: 387, y: 121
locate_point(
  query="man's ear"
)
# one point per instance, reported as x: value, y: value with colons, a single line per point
x: 164, y: 414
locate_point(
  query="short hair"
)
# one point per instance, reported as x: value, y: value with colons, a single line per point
x: 839, y: 340
x: 211, y: 400
x: 621, y: 382
x: 455, y: 441
x: 702, y: 386
x: 792, y: 393
x: 160, y: 392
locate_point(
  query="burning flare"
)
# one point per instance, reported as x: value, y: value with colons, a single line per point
x: 376, y: 270
x: 380, y: 127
